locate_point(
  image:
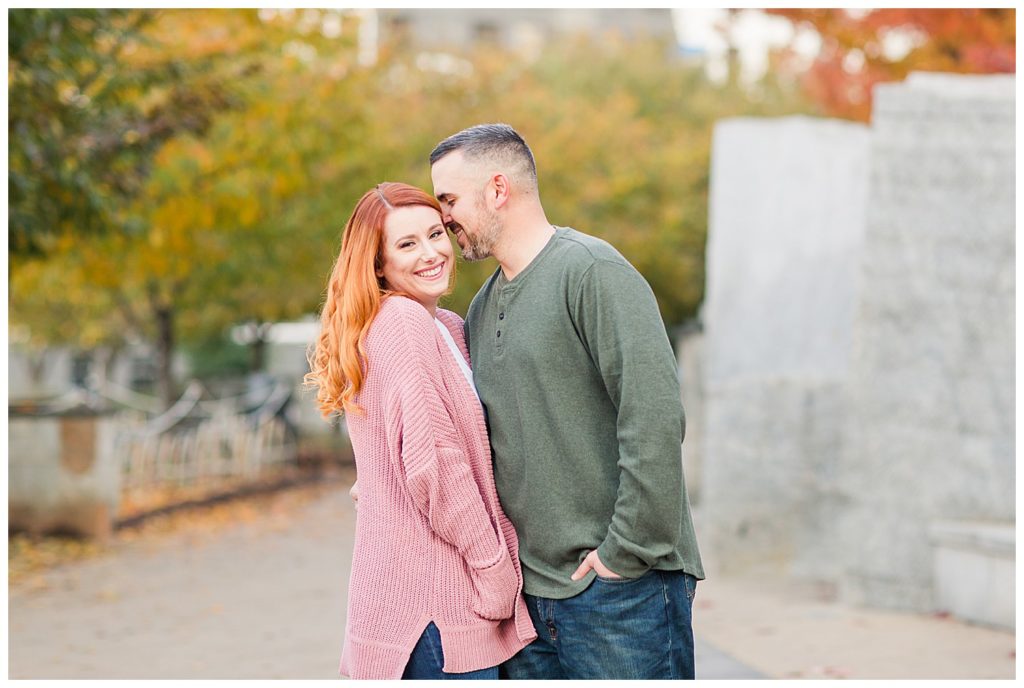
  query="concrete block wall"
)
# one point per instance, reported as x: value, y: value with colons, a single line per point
x: 786, y: 225
x: 63, y: 474
x: 930, y: 431
x: 857, y: 360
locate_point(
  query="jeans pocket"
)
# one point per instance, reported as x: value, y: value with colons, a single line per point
x: 691, y: 586
x: 622, y: 580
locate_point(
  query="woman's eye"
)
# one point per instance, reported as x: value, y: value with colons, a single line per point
x: 405, y: 244
x: 436, y: 234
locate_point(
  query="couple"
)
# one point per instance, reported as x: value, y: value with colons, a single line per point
x: 573, y: 555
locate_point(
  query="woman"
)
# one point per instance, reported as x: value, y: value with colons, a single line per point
x: 435, y: 580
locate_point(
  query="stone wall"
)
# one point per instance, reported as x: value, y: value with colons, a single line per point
x: 857, y: 356
x: 786, y: 225
x: 63, y: 474
x: 930, y: 428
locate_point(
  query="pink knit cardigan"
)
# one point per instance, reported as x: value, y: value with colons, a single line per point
x: 432, y: 542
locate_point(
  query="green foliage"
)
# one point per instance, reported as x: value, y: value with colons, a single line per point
x: 622, y: 136
x: 91, y: 99
x: 256, y: 137
x: 215, y: 357
x: 65, y: 114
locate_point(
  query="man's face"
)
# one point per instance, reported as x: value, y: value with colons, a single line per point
x: 461, y: 187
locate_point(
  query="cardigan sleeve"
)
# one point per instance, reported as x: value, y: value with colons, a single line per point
x: 437, y: 473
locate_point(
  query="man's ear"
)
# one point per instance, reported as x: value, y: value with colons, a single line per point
x: 501, y: 190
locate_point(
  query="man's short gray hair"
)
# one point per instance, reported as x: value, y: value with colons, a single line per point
x: 497, y: 142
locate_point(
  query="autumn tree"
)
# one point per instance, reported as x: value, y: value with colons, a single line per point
x: 91, y: 100
x: 191, y: 209
x: 860, y: 48
x: 239, y: 221
x: 622, y: 135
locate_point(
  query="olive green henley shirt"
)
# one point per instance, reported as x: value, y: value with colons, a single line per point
x: 579, y: 385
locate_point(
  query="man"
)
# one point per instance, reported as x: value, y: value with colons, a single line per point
x: 578, y: 380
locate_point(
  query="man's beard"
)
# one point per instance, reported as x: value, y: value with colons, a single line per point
x: 480, y: 245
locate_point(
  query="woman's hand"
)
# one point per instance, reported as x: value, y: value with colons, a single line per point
x: 496, y: 589
x: 592, y: 561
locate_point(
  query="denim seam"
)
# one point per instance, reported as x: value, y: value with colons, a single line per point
x: 668, y: 625
x: 550, y: 620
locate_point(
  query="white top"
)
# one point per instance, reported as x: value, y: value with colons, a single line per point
x: 463, y: 366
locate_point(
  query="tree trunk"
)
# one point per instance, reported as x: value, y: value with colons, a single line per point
x: 258, y: 354
x: 36, y: 360
x: 164, y: 352
x: 258, y: 346
x: 103, y: 361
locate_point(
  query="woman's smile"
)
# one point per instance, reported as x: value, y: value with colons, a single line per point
x: 433, y: 272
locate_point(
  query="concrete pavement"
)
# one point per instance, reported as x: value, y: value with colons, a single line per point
x: 263, y: 597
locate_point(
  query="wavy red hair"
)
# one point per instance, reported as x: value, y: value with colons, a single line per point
x: 337, y: 361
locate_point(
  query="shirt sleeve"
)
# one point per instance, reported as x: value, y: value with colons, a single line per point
x: 618, y: 318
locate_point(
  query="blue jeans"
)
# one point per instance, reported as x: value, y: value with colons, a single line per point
x: 631, y: 628
x: 426, y: 660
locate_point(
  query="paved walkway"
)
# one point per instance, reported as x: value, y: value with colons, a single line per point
x: 264, y: 598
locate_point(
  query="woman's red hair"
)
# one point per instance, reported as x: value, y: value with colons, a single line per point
x: 337, y: 362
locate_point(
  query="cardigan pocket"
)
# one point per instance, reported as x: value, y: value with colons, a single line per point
x: 495, y: 589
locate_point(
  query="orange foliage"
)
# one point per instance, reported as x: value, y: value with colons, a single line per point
x: 853, y: 57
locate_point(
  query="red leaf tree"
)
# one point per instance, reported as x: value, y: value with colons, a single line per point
x: 862, y: 48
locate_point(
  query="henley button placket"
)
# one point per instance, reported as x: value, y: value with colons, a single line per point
x: 501, y: 316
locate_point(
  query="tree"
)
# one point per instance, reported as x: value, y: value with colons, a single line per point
x: 239, y: 220
x: 856, y: 50
x: 622, y: 135
x: 185, y: 210
x: 91, y: 100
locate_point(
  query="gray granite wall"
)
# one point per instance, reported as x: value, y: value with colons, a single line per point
x: 787, y: 217
x: 930, y: 425
x: 857, y: 362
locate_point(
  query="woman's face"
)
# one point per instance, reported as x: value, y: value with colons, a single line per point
x: 417, y: 254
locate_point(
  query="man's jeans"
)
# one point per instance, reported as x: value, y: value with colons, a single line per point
x: 635, y: 628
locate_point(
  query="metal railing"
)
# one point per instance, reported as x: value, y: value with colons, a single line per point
x: 201, y: 440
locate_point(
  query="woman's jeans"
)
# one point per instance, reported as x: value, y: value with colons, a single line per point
x: 426, y: 660
x: 630, y: 628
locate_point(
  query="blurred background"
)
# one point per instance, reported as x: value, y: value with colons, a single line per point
x: 821, y: 200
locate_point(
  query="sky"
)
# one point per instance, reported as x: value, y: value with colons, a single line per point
x: 753, y: 33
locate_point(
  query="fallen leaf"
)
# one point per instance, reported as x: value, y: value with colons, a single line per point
x: 837, y: 672
x: 108, y: 595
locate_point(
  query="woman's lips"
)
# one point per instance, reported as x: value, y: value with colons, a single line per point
x: 433, y: 272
